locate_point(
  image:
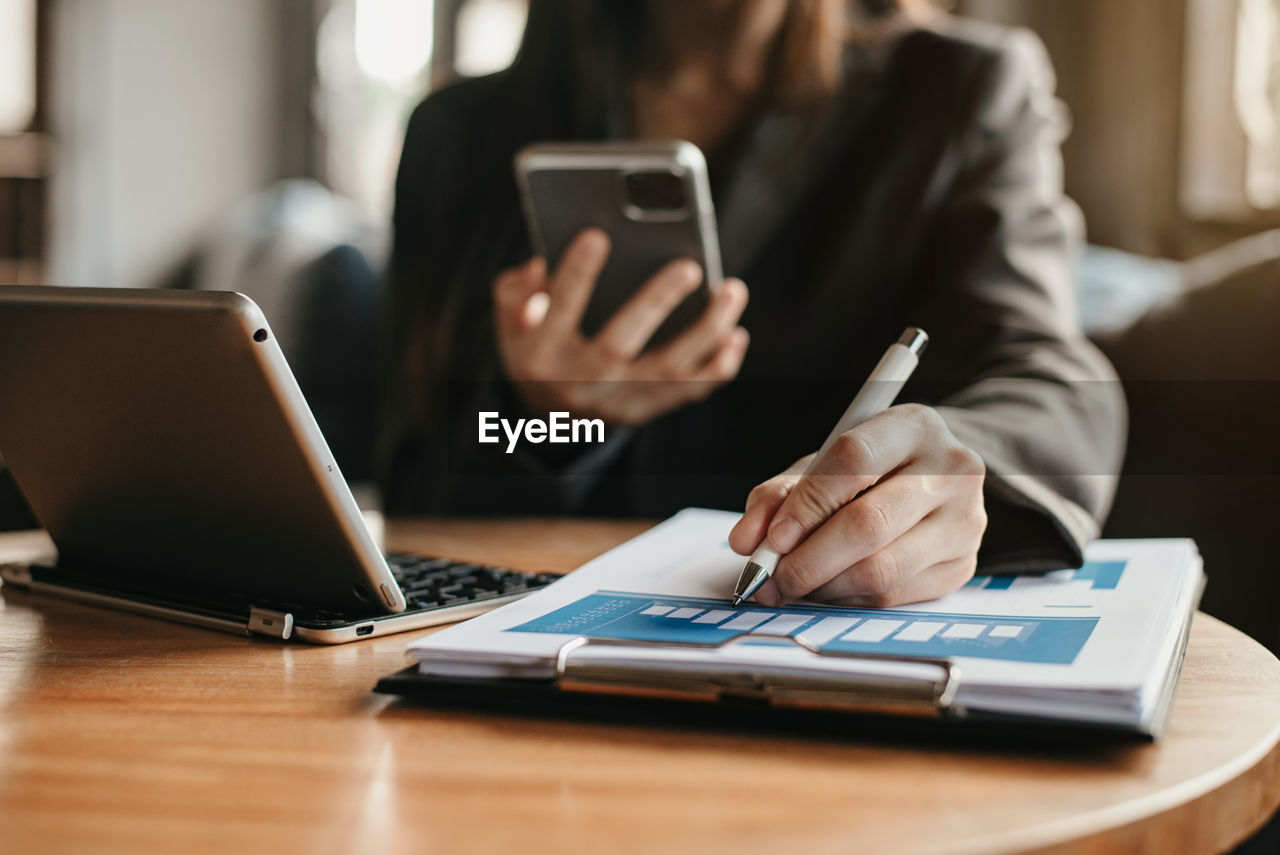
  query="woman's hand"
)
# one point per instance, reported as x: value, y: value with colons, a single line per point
x: 893, y: 514
x: 555, y: 368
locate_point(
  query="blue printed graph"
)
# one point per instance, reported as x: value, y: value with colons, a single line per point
x: 1103, y: 575
x: 639, y: 617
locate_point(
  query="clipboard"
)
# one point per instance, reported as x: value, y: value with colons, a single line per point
x: 640, y: 632
x: 849, y: 705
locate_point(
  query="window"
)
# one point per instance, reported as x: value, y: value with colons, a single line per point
x: 1257, y: 98
x: 1231, y: 157
x: 17, y: 64
x: 23, y: 153
x: 488, y: 35
x: 378, y: 58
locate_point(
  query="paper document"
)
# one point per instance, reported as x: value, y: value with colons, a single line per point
x: 1098, y: 644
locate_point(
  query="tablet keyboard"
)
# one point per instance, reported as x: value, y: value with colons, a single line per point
x: 433, y: 583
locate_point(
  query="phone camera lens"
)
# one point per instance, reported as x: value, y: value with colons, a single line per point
x: 655, y: 190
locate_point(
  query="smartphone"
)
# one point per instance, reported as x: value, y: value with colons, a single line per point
x: 652, y: 199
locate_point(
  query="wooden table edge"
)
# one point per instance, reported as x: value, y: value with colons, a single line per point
x: 1137, y: 817
x: 1240, y: 786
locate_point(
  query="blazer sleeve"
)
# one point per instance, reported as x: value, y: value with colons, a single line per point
x: 1025, y: 388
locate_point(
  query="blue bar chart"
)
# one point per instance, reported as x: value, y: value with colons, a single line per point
x: 640, y: 617
x: 1102, y: 575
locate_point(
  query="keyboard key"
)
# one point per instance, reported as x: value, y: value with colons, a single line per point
x: 430, y: 583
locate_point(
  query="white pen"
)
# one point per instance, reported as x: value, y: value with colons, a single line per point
x: 876, y: 395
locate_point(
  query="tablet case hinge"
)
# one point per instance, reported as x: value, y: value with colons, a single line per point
x: 267, y: 622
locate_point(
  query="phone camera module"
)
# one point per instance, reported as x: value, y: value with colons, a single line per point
x: 655, y: 191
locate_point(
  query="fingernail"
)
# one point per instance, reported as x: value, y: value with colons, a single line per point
x: 595, y: 242
x: 688, y: 274
x: 535, y: 309
x: 785, y: 534
x: 768, y: 594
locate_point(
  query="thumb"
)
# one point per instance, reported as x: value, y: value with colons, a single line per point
x: 514, y: 290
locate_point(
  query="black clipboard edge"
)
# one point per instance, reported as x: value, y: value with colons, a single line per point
x: 544, y: 699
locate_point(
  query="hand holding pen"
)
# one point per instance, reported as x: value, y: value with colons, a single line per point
x: 888, y: 511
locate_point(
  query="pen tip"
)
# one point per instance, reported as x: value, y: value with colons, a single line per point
x: 737, y: 601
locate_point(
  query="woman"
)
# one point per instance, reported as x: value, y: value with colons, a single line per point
x: 872, y: 167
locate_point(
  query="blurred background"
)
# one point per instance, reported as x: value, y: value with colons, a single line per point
x: 252, y: 145
x: 128, y: 128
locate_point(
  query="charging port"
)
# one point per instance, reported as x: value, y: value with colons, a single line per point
x: 367, y: 629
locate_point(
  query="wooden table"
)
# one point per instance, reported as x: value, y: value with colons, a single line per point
x: 125, y: 734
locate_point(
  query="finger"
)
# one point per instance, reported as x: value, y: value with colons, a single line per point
x: 931, y: 583
x: 628, y: 331
x: 629, y: 402
x: 861, y: 528
x: 632, y: 402
x: 762, y: 503
x: 938, y: 538
x: 693, y: 348
x: 574, y: 280
x: 722, y: 368
x: 727, y: 361
x: 513, y: 291
x: 857, y: 460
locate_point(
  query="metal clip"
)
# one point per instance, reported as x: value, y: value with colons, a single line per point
x: 805, y: 690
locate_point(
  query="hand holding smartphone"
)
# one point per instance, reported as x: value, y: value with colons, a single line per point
x: 653, y: 200
x: 623, y: 315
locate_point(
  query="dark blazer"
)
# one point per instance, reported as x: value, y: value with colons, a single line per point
x: 928, y: 192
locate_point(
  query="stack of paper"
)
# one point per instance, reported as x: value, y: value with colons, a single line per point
x: 1101, y: 644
